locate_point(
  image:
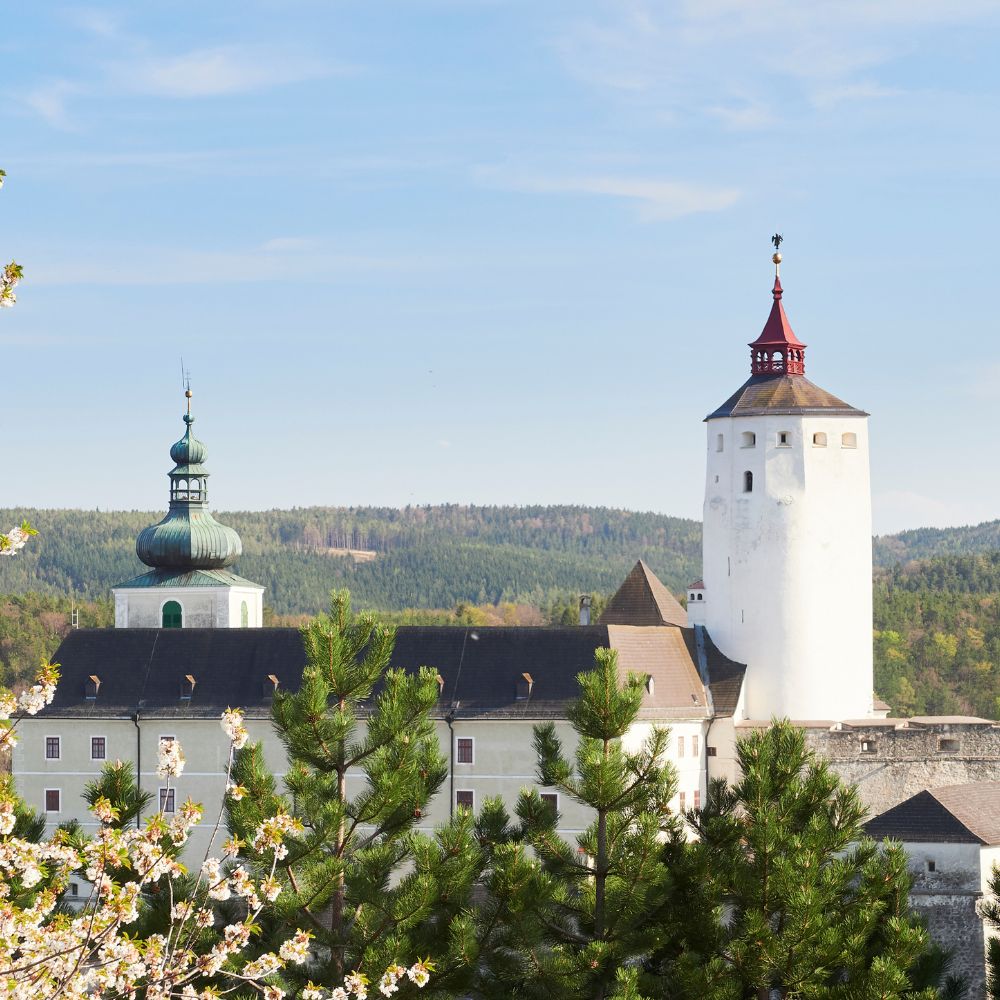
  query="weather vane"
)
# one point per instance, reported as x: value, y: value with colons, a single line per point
x: 777, y: 239
x: 186, y: 382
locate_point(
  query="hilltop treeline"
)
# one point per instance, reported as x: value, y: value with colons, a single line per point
x: 426, y: 557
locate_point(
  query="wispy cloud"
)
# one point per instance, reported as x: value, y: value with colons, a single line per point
x: 220, y: 71
x: 155, y: 266
x: 657, y: 199
x: 688, y: 57
x: 134, y: 67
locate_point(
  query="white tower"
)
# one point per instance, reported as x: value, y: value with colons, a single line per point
x: 788, y: 536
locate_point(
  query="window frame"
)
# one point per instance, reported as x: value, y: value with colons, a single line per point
x: 171, y: 600
x: 819, y: 439
x: 472, y: 795
x: 459, y: 740
x: 105, y: 748
x: 551, y: 795
x: 748, y: 481
x: 849, y: 440
x: 45, y: 800
x: 787, y: 442
x: 748, y: 439
x: 58, y: 740
x: 167, y: 797
x: 680, y: 747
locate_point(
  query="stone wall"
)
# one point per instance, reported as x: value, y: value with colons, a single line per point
x: 890, y: 760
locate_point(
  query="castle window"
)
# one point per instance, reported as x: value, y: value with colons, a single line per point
x: 167, y: 800
x: 551, y: 799
x: 244, y: 615
x: 173, y: 615
x: 848, y: 440
x: 697, y: 798
x: 52, y: 748
x: 466, y: 750
x: 718, y: 442
x: 819, y: 440
x: 680, y: 746
x: 748, y: 482
x: 868, y: 746
x: 700, y: 597
x: 947, y: 746
x: 749, y: 439
x: 53, y: 800
x: 465, y: 800
x: 98, y: 748
x: 710, y: 751
x: 694, y: 747
x: 682, y: 799
x: 931, y: 865
x: 784, y: 439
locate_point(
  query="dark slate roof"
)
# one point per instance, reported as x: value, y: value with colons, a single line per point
x: 964, y: 814
x: 643, y: 600
x: 188, y: 578
x: 792, y: 394
x: 144, y: 668
x: 725, y: 677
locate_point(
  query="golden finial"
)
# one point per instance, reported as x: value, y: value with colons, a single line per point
x: 777, y: 239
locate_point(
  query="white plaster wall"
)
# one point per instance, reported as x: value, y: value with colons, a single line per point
x: 504, y: 763
x: 787, y: 567
x: 203, y: 607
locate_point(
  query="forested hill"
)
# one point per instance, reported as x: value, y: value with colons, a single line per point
x: 937, y: 636
x: 415, y: 557
x: 924, y: 543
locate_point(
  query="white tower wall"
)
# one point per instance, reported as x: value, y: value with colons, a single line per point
x: 788, y: 566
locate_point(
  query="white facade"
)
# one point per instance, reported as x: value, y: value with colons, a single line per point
x: 201, y: 607
x: 788, y: 561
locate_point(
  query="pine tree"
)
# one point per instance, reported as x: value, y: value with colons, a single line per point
x: 782, y: 891
x: 363, y: 763
x: 581, y: 922
x: 991, y: 914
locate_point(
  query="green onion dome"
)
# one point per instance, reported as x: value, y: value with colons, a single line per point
x: 188, y: 537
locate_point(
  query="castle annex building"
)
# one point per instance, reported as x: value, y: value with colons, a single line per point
x: 780, y: 625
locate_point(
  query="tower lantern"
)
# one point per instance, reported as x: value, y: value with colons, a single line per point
x: 777, y: 351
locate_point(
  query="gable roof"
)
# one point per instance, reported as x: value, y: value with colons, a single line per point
x: 643, y: 600
x: 952, y: 814
x: 142, y: 669
x: 789, y: 394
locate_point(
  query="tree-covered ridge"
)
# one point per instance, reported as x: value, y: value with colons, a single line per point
x: 926, y: 543
x: 937, y: 636
x: 427, y: 557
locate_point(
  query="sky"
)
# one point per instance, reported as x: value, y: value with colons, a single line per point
x: 492, y: 251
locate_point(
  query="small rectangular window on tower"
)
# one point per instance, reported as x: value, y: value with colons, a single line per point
x: 749, y: 439
x: 784, y: 439
x: 819, y: 440
x: 947, y: 745
x: 848, y: 440
x: 719, y: 442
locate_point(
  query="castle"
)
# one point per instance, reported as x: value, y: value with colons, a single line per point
x: 779, y: 626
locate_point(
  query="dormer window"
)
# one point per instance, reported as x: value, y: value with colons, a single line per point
x: 524, y: 685
x: 187, y: 687
x: 91, y: 686
x: 269, y: 686
x: 748, y: 439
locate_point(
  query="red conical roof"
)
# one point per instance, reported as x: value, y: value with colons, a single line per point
x: 777, y: 350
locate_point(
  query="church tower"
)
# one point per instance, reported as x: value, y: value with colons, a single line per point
x: 189, y: 585
x: 788, y: 536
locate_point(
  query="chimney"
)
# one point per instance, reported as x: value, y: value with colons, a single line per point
x: 585, y: 601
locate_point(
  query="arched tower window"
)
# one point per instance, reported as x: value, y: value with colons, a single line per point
x: 173, y: 615
x: 748, y: 482
x: 244, y: 615
x: 819, y: 440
